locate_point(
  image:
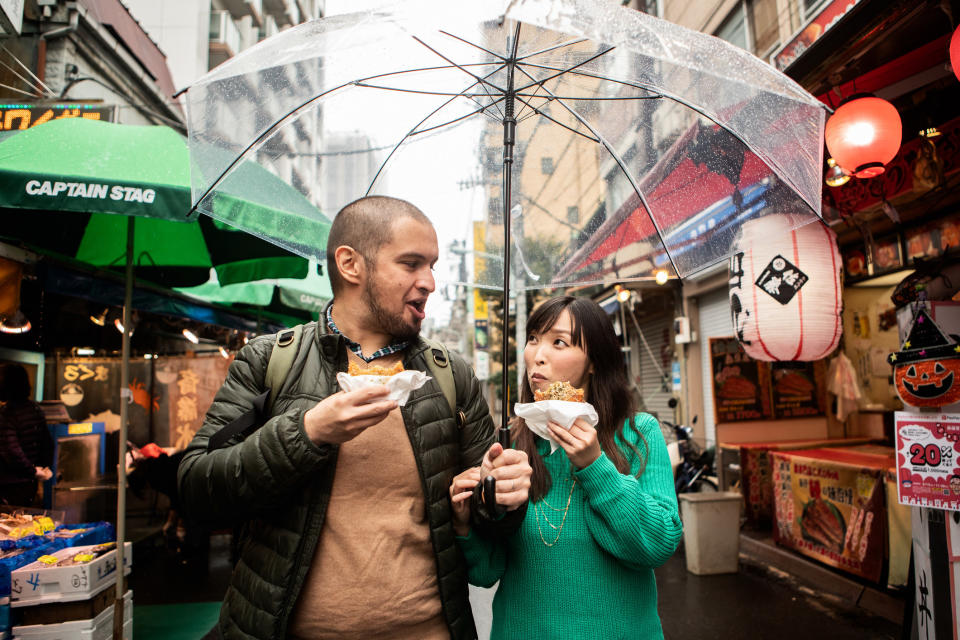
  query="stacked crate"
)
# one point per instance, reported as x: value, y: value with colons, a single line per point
x: 69, y: 595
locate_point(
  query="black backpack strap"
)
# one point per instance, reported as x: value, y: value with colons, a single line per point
x: 243, y: 425
x: 285, y: 348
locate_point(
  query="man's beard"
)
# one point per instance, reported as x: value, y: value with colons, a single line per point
x: 391, y: 323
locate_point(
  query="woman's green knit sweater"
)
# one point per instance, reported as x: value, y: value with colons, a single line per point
x: 597, y: 580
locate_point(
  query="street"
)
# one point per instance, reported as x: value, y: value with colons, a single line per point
x: 175, y: 600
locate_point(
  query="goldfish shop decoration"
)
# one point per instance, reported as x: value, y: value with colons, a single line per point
x: 785, y: 290
x: 926, y: 370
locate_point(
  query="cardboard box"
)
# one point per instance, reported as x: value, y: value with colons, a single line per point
x: 98, y: 628
x: 38, y: 582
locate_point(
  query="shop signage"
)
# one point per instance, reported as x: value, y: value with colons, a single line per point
x: 928, y: 460
x: 169, y: 396
x: 829, y: 505
x: 794, y: 388
x: 24, y: 116
x: 748, y: 389
x: 741, y: 388
x: 819, y: 24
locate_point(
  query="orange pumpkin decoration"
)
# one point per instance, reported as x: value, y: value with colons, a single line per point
x: 926, y: 371
x: 929, y: 383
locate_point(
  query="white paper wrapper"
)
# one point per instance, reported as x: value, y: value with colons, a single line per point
x: 400, y: 385
x: 564, y: 413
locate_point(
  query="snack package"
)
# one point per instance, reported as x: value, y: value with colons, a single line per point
x: 551, y: 409
x: 397, y: 380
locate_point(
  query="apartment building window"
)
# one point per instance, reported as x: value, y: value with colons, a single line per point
x: 651, y: 7
x: 734, y: 28
x: 223, y: 30
x: 752, y: 25
x: 546, y: 166
x: 765, y: 25
x: 573, y: 215
x: 811, y: 7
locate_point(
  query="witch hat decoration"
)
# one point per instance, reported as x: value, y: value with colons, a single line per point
x: 926, y: 370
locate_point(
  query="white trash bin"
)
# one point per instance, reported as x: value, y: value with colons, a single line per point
x: 711, y: 531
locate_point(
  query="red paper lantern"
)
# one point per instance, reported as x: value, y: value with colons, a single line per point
x: 864, y: 134
x: 955, y: 53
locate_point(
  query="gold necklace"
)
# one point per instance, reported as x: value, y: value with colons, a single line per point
x: 539, y: 513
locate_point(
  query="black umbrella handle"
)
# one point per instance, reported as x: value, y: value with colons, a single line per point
x: 485, y: 492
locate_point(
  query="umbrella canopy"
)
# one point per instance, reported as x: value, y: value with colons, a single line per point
x: 609, y: 111
x: 70, y: 175
x: 308, y: 294
x: 587, y: 140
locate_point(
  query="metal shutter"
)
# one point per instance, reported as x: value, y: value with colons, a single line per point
x: 715, y: 322
x: 655, y: 389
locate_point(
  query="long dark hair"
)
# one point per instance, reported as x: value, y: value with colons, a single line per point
x: 608, y: 391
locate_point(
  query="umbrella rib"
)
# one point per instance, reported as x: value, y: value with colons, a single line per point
x: 654, y: 97
x: 482, y: 81
x: 416, y: 132
x: 421, y: 92
x: 473, y: 44
x: 620, y: 163
x: 414, y: 129
x: 569, y: 43
x: 783, y: 175
x: 557, y: 122
x: 560, y: 72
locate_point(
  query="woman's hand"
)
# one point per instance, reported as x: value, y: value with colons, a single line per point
x: 580, y: 442
x: 460, y: 491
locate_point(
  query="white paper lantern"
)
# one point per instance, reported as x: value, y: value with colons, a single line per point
x: 785, y: 292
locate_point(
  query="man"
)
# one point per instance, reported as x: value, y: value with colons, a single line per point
x: 347, y: 529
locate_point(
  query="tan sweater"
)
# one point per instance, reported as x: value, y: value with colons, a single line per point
x: 374, y: 574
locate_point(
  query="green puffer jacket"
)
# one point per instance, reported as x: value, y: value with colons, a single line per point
x: 276, y: 483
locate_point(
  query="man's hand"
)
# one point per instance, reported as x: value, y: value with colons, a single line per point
x: 345, y: 415
x: 512, y: 471
x: 461, y: 489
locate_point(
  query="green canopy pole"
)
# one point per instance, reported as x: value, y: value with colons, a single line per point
x: 122, y: 458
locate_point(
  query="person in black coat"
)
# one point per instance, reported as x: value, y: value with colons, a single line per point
x: 26, y: 447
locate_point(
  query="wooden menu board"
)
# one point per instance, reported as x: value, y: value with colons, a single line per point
x: 741, y: 385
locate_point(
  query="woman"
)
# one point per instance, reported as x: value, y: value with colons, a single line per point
x: 603, y: 512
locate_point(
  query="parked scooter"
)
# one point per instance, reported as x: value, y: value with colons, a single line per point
x: 693, y: 470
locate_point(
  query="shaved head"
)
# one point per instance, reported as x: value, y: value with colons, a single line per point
x: 365, y: 225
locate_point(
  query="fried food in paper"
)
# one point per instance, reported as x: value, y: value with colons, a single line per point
x: 559, y: 391
x: 355, y: 369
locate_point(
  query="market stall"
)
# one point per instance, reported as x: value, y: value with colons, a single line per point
x: 834, y: 505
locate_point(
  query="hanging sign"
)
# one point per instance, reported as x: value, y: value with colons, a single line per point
x: 24, y: 116
x: 928, y: 460
x: 819, y: 24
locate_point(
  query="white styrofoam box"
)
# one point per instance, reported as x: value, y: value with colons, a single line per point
x: 99, y: 628
x: 38, y: 583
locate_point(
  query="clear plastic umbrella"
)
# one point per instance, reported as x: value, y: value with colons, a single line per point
x: 622, y: 143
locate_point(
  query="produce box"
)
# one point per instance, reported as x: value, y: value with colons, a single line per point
x: 67, y: 575
x: 98, y: 628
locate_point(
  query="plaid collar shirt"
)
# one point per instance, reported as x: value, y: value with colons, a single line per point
x: 355, y: 347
